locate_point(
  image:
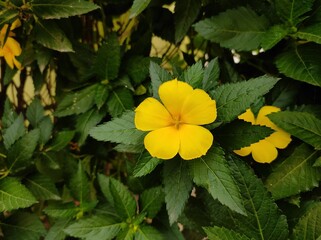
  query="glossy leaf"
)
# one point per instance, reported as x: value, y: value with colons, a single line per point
x: 145, y: 165
x: 60, y: 141
x: 310, y: 33
x: 273, y: 36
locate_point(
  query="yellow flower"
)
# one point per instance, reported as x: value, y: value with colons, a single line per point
x: 174, y: 123
x: 9, y: 47
x: 265, y: 150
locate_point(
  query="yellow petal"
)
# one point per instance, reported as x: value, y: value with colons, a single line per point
x: 248, y: 116
x: 263, y: 151
x: 14, y: 46
x: 198, y: 108
x: 163, y: 143
x: 194, y: 141
x: 262, y: 119
x: 151, y: 115
x: 243, y: 151
x: 17, y: 63
x: 173, y: 94
x: 8, y: 56
x: 279, y: 139
x: 15, y: 24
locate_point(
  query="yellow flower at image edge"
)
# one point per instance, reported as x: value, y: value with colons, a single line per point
x: 174, y: 124
x: 9, y: 47
x: 265, y: 151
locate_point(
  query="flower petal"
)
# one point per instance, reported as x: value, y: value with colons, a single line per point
x: 248, y: 116
x: 8, y: 56
x: 163, y: 143
x: 262, y: 119
x: 264, y: 151
x: 198, y: 108
x: 151, y: 115
x: 279, y: 139
x: 243, y: 151
x: 13, y: 46
x: 173, y: 94
x: 15, y: 24
x: 194, y: 141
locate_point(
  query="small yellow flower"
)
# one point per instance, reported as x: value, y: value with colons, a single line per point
x: 265, y: 150
x: 9, y: 47
x: 174, y: 123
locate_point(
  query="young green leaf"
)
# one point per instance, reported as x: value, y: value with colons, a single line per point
x: 211, y: 75
x: 264, y: 219
x: 137, y: 67
x: 145, y: 165
x: 193, y: 75
x: 85, y: 122
x: 62, y: 210
x: 61, y: 140
x: 61, y: 9
x: 148, y: 233
x: 35, y: 112
x: 185, y: 14
x: 15, y: 131
x: 14, y: 195
x: 295, y: 174
x: 93, y: 228
x: 234, y: 98
x: 120, y: 100
x: 107, y: 63
x: 212, y: 172
x: 20, y: 153
x: 301, y: 63
x: 151, y: 201
x: 273, y: 36
x: 77, y: 102
x: 56, y: 230
x: 302, y: 125
x: 8, y: 15
x: 79, y: 185
x: 42, y: 187
x: 240, y: 29
x: 137, y: 7
x: 222, y: 233
x: 158, y: 75
x: 50, y: 35
x: 45, y: 126
x: 309, y: 226
x: 119, y: 130
x: 311, y: 33
x: 177, y: 187
x: 23, y: 226
x: 101, y: 96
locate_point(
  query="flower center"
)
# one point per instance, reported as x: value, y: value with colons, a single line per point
x: 176, y: 121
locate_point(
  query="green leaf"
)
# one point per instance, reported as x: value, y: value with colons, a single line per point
x: 148, y: 233
x: 240, y: 134
x: 14, y: 195
x: 101, y: 96
x: 8, y: 15
x: 273, y: 36
x: 50, y: 35
x: 85, y: 122
x: 15, y: 131
x: 213, y: 173
x: 23, y: 226
x: 62, y: 210
x: 124, y: 203
x: 20, y: 153
x: 240, y: 29
x: 185, y: 14
x: 292, y: 10
x: 107, y: 63
x: 177, y: 187
x: 145, y: 165
x: 311, y: 33
x: 77, y: 102
x: 45, y: 126
x: 301, y: 63
x: 137, y: 67
x: 193, y: 75
x: 295, y: 174
x: 302, y: 125
x: 234, y: 98
x: 104, y: 183
x: 93, y: 228
x: 56, y: 230
x: 151, y: 201
x: 211, y: 75
x: 50, y: 9
x: 61, y: 140
x: 221, y: 233
x: 119, y: 130
x: 9, y: 114
x: 79, y: 185
x: 42, y: 187
x: 35, y: 112
x: 264, y: 219
x: 130, y: 148
x: 317, y: 162
x: 137, y: 7
x: 309, y: 226
x: 120, y: 100
x: 158, y: 75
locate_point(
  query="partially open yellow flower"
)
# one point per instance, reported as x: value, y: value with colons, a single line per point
x: 9, y: 47
x: 265, y: 150
x: 174, y: 125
